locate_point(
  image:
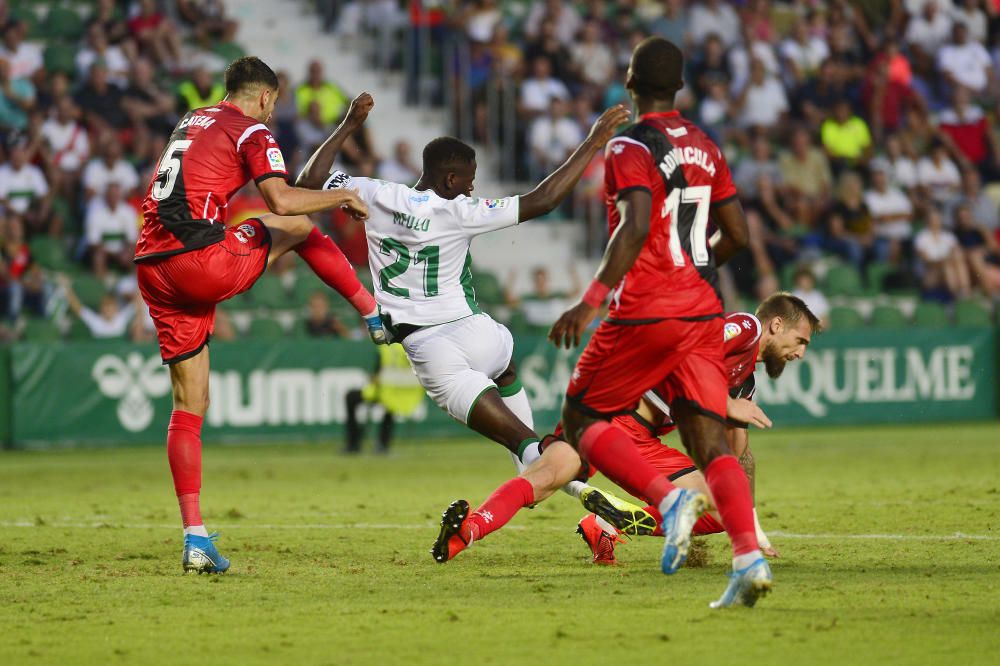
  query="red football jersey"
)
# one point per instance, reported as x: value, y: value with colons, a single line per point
x: 211, y: 154
x: 686, y: 173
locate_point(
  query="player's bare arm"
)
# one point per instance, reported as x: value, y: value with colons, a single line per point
x: 317, y: 168
x: 284, y: 199
x: 622, y: 251
x: 733, y: 235
x: 551, y: 191
x: 747, y: 411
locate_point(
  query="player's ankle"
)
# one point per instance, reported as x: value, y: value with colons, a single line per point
x: 744, y: 560
x: 195, y: 530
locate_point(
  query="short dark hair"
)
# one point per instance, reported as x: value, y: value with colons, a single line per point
x: 657, y: 69
x: 248, y: 72
x: 445, y: 153
x: 790, y: 308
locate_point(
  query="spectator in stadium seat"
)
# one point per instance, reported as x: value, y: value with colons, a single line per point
x: 970, y: 13
x: 929, y: 29
x: 941, y: 261
x: 981, y: 251
x: 320, y: 322
x: 538, y: 90
x: 593, y: 60
x: 111, y: 319
x: 24, y: 189
x: 885, y: 99
x: 199, y: 90
x: 759, y: 163
x: 552, y: 138
x: 762, y: 101
x: 816, y: 98
x: 542, y: 306
x: 310, y: 130
x: 101, y: 102
x: 69, y: 145
x: 17, y: 98
x: 981, y: 207
x: 108, y: 15
x: 970, y: 131
x: 714, y: 16
x: 109, y: 167
x: 110, y: 229
x: 16, y: 269
x: 846, y: 138
x: 479, y: 20
x: 938, y: 175
x: 547, y: 45
x: 806, y: 289
x: 711, y: 67
x: 564, y: 17
x: 850, y: 227
x: 805, y: 173
x: 672, y: 23
x: 399, y: 168
x: 742, y: 55
x: 331, y: 98
x: 964, y: 62
x: 25, y: 57
x: 147, y: 103
x: 802, y: 53
x: 891, y: 212
x: 902, y: 165
x: 156, y: 35
x: 286, y: 112
x: 207, y: 19
x: 98, y: 48
x: 715, y: 112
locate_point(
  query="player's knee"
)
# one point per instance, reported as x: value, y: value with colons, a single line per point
x: 709, y: 451
x: 507, y: 377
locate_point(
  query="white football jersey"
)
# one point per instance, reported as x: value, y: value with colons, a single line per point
x: 418, y: 247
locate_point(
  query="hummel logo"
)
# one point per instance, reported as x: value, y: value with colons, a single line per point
x: 487, y: 516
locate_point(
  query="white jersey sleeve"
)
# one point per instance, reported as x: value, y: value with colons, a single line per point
x: 480, y: 216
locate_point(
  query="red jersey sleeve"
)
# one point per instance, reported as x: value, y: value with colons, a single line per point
x: 722, y: 186
x: 259, y: 153
x: 628, y: 166
x: 740, y: 334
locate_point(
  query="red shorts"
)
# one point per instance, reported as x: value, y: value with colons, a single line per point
x: 684, y: 359
x: 667, y: 460
x: 182, y: 290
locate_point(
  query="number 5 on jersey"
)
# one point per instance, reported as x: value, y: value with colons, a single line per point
x: 169, y: 169
x: 679, y: 202
x: 429, y: 256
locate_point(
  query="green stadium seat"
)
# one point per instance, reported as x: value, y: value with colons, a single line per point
x: 305, y: 285
x: 79, y: 331
x: 930, y: 315
x: 41, y: 330
x: 49, y: 253
x: 90, y: 290
x: 842, y: 280
x: 488, y: 289
x: 63, y: 23
x: 971, y: 313
x: 875, y: 275
x: 228, y: 51
x: 888, y: 316
x: 60, y: 58
x: 266, y: 329
x: 845, y: 319
x: 270, y: 293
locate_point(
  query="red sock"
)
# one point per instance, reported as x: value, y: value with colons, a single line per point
x: 731, y: 491
x: 611, y: 450
x: 184, y: 454
x: 332, y: 267
x: 707, y: 525
x: 501, y: 506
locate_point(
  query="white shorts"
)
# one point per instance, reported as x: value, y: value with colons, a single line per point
x: 458, y: 361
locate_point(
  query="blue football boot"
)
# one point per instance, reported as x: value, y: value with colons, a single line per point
x: 201, y: 555
x: 746, y: 586
x: 678, y: 521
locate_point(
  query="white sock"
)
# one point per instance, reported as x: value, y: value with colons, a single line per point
x: 606, y: 526
x: 746, y: 559
x: 668, y: 501
x: 196, y: 530
x: 518, y: 403
x: 575, y: 489
x: 530, y: 454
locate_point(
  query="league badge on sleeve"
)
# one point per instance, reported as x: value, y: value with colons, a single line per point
x: 275, y: 160
x: 731, y: 331
x: 494, y: 204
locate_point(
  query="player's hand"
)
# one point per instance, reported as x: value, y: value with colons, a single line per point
x: 747, y: 411
x: 605, y: 126
x: 567, y: 331
x: 770, y: 551
x: 360, y: 107
x: 357, y: 208
x: 377, y: 330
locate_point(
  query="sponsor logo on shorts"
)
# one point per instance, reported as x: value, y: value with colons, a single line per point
x: 731, y: 331
x: 132, y: 381
x: 275, y: 159
x: 248, y: 229
x: 495, y: 203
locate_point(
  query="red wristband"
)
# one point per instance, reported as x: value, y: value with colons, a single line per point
x: 595, y: 294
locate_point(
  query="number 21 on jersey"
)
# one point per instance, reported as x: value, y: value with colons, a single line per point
x: 680, y: 200
x: 429, y: 256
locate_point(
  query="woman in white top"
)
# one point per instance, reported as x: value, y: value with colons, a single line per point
x: 941, y: 258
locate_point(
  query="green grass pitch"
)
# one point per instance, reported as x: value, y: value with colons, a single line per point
x: 890, y: 541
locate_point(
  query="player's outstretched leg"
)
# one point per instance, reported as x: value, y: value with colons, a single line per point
x: 459, y: 528
x: 600, y: 536
x: 626, y: 517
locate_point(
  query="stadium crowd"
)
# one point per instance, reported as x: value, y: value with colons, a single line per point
x: 861, y: 134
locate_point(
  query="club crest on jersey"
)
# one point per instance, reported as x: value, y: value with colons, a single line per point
x: 731, y: 331
x: 244, y: 233
x: 275, y: 159
x: 495, y: 203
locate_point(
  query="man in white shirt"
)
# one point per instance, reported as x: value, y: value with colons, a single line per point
x: 66, y: 137
x: 24, y: 190
x: 714, y: 16
x: 25, y: 57
x: 929, y: 29
x: 965, y: 62
x: 762, y: 102
x: 399, y: 168
x: 111, y: 227
x: 891, y: 212
x: 538, y: 91
x: 562, y: 14
x: 110, y: 167
x: 553, y: 137
x: 592, y: 58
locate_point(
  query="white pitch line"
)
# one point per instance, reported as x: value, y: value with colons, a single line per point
x: 957, y: 536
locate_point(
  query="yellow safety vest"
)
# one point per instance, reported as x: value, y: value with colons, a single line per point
x: 396, y: 387
x: 193, y: 98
